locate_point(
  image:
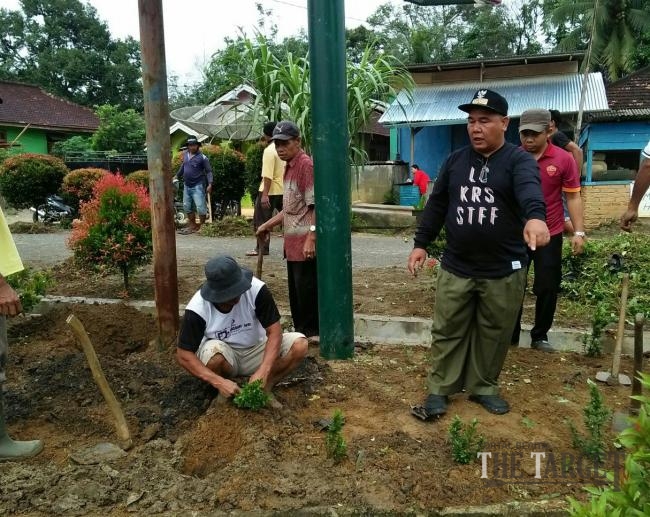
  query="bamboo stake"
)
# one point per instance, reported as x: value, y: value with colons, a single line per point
x: 95, y: 367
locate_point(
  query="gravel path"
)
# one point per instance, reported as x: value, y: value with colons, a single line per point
x: 43, y: 250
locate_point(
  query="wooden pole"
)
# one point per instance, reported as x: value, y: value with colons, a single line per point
x: 121, y: 426
x: 156, y: 114
x: 638, y: 363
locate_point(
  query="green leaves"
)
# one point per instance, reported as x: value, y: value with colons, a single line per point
x: 119, y: 130
x: 465, y: 440
x: 596, y: 417
x: 335, y: 444
x: 252, y: 396
x: 30, y: 286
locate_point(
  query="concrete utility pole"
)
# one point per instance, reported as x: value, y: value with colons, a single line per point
x: 332, y: 176
x: 156, y: 114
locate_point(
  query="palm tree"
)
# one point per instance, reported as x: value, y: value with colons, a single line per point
x: 611, y: 27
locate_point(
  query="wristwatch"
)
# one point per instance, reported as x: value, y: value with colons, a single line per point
x: 580, y: 234
x: 312, y: 228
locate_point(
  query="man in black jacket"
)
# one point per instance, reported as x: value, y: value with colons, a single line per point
x: 488, y: 197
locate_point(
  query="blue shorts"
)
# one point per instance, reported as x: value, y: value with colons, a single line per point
x: 195, y: 196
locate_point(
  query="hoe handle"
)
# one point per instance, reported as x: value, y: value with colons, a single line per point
x: 616, y: 365
x: 638, y: 361
x: 98, y: 374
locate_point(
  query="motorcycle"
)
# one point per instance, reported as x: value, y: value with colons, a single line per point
x: 53, y: 210
x: 180, y: 217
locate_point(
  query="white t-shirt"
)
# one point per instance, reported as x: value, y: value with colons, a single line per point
x: 240, y: 328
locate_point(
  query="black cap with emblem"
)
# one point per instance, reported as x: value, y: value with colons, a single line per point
x: 488, y: 100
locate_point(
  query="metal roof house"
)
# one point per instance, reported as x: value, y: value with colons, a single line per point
x: 427, y: 125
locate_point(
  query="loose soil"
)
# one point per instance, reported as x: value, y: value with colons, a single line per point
x: 191, y: 453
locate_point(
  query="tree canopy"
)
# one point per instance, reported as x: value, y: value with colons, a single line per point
x: 62, y: 46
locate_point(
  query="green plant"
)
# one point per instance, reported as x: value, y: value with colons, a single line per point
x: 78, y: 145
x: 465, y: 440
x: 229, y: 226
x: 78, y: 184
x: 602, y: 317
x: 114, y: 231
x: 435, y: 248
x: 140, y: 178
x: 335, y: 444
x: 593, y: 279
x: 228, y: 169
x: 596, y: 416
x: 390, y: 198
x: 254, y: 169
x: 252, y: 396
x: 30, y: 286
x: 119, y: 130
x: 630, y: 497
x: 27, y: 179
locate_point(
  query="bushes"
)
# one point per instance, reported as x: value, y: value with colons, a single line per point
x: 73, y: 145
x: 140, y: 178
x: 114, y: 231
x: 27, y: 179
x: 254, y: 169
x: 78, y: 184
x: 229, y: 169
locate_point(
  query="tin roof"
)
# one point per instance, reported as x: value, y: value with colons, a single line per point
x: 436, y: 105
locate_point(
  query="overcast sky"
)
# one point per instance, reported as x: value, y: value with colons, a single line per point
x: 194, y: 29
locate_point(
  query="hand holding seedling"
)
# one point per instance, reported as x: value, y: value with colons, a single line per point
x: 228, y: 388
x: 252, y: 396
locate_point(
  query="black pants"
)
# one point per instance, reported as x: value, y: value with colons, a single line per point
x: 548, y: 276
x: 303, y: 296
x: 262, y: 214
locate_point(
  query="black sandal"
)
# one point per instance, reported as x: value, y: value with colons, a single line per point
x: 434, y: 407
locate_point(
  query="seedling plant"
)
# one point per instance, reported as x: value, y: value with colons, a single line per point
x: 252, y: 396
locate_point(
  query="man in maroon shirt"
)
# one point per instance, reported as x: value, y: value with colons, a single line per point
x: 559, y: 174
x: 299, y: 220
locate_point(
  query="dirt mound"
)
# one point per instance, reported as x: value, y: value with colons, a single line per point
x: 114, y: 330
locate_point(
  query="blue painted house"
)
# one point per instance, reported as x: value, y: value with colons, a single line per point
x: 612, y: 143
x: 427, y: 125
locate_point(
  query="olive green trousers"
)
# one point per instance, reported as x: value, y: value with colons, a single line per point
x: 473, y: 321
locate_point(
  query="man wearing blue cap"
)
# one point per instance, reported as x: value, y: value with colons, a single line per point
x: 196, y: 173
x: 489, y: 198
x: 231, y: 328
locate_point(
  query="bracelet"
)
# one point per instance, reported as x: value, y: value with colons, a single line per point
x: 580, y: 234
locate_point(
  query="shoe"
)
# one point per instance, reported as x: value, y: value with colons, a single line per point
x: 434, y: 407
x: 543, y: 345
x: 493, y: 403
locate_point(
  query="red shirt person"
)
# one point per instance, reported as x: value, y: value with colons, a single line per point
x: 420, y: 178
x: 559, y: 175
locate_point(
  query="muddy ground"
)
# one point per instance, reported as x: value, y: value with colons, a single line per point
x: 192, y: 454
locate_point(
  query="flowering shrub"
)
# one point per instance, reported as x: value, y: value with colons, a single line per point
x: 140, y: 178
x: 78, y: 184
x: 114, y: 231
x: 27, y: 179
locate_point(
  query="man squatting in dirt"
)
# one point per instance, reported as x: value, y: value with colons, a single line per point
x: 488, y: 196
x: 9, y: 306
x: 231, y: 328
x: 560, y: 177
x: 641, y: 184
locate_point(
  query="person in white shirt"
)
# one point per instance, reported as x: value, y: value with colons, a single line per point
x: 231, y: 328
